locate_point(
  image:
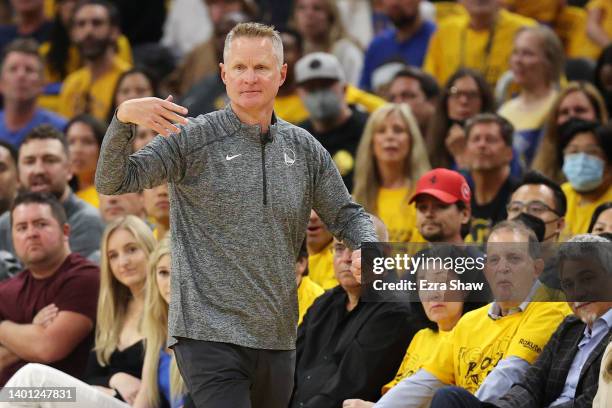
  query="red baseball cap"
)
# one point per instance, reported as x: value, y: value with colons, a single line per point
x: 446, y: 185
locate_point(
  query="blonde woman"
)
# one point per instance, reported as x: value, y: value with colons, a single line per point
x: 537, y: 64
x: 390, y: 158
x: 159, y: 359
x: 112, y: 377
x: 579, y: 100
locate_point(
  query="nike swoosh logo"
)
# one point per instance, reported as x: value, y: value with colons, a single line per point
x: 228, y: 157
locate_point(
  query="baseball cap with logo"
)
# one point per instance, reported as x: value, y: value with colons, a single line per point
x: 318, y: 65
x: 446, y: 185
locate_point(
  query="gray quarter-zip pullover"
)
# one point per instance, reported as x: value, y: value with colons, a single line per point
x: 239, y: 206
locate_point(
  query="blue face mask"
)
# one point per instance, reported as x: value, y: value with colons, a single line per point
x: 583, y: 171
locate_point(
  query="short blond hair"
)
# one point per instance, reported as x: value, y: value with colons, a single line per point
x: 255, y: 30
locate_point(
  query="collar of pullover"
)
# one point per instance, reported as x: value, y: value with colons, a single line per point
x: 234, y: 123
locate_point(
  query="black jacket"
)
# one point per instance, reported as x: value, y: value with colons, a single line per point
x: 544, y: 380
x: 343, y: 354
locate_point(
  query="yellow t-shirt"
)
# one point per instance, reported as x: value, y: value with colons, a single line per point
x: 79, y: 94
x: 424, y: 344
x: 321, y: 268
x: 398, y: 215
x: 606, y: 7
x: 571, y: 28
x: 50, y: 100
x: 455, y: 45
x: 578, y: 215
x: 291, y: 108
x: 478, y: 343
x: 89, y: 195
x: 307, y: 292
x: 523, y: 119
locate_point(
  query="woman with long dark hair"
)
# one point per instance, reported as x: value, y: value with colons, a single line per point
x: 465, y: 94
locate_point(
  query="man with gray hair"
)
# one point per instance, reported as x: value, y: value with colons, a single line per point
x: 242, y: 183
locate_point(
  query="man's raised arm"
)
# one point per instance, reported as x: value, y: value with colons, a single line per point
x: 119, y: 171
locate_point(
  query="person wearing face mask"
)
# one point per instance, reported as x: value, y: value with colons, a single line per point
x: 538, y: 197
x: 586, y: 157
x: 321, y: 85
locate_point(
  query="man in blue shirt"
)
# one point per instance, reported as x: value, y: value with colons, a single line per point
x: 21, y: 83
x: 406, y: 42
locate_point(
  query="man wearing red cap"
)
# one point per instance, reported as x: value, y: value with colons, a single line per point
x: 442, y: 199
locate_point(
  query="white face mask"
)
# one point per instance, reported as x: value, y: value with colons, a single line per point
x: 323, y: 105
x: 583, y: 171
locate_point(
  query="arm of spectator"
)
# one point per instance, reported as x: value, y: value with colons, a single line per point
x: 594, y: 28
x: 164, y: 159
x: 141, y: 400
x: 7, y: 358
x: 455, y: 144
x: 413, y: 392
x: 127, y: 385
x: 35, y: 343
x: 46, y: 315
x: 344, y: 218
x: 508, y: 372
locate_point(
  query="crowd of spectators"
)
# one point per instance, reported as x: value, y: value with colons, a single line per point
x: 456, y: 123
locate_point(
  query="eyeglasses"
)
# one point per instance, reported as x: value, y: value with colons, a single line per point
x: 456, y: 93
x: 535, y: 208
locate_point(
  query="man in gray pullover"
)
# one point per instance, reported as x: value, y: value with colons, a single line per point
x: 242, y: 184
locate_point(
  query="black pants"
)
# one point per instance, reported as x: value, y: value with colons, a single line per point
x: 456, y: 397
x: 222, y: 375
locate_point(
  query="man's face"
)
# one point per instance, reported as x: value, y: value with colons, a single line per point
x: 317, y: 234
x: 115, y: 206
x: 437, y: 221
x: 510, y: 269
x: 21, y: 79
x: 539, y: 201
x: 37, y: 236
x: 251, y: 74
x: 402, y: 13
x: 587, y: 286
x: 92, y: 31
x: 8, y: 178
x: 486, y: 148
x: 408, y: 90
x: 157, y: 203
x: 44, y: 166
x: 323, y: 98
x: 342, y: 265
